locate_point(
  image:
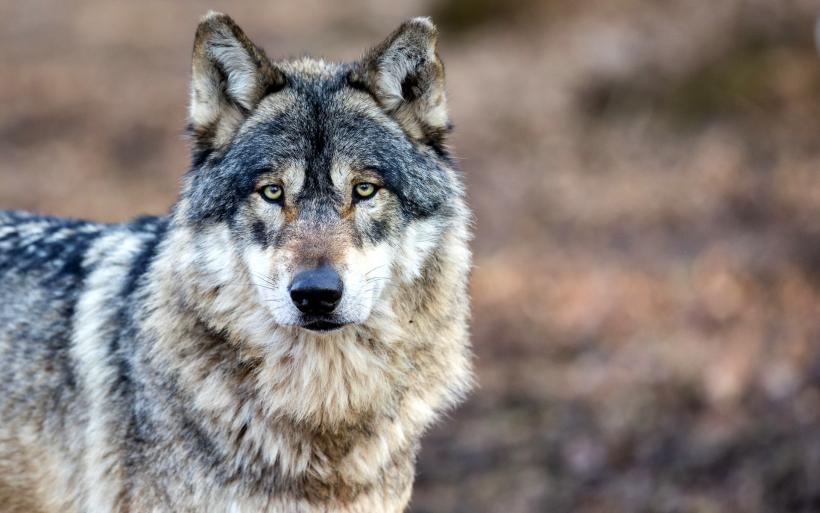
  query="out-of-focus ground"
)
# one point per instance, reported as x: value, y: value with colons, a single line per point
x: 646, y: 182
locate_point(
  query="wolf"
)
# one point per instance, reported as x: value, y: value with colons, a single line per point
x: 280, y: 340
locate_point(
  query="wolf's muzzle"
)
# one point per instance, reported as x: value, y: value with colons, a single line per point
x: 317, y: 291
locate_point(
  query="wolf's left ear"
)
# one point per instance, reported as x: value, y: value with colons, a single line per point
x: 230, y: 75
x: 406, y: 76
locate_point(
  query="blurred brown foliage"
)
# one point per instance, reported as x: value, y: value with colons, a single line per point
x: 645, y: 180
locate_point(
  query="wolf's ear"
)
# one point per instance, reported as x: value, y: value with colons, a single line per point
x: 230, y: 75
x: 406, y: 76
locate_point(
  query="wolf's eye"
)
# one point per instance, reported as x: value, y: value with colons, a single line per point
x: 364, y: 190
x: 272, y: 193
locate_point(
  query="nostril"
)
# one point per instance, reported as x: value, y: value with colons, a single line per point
x: 333, y: 295
x: 317, y: 291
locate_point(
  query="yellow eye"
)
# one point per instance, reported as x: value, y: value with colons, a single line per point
x: 272, y: 193
x: 364, y: 190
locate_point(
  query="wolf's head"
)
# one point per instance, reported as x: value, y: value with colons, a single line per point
x: 327, y: 184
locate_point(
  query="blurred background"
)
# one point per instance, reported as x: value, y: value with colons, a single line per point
x: 645, y: 176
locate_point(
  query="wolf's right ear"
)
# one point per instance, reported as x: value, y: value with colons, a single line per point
x: 406, y: 76
x: 230, y: 75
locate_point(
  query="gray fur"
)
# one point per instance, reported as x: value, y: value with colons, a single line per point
x: 158, y: 365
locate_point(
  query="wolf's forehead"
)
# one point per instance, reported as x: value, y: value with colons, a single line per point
x: 317, y: 122
x: 309, y: 67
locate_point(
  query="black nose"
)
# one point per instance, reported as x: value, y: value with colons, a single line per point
x: 317, y: 291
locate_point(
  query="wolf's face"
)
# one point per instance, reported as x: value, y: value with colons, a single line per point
x: 331, y: 179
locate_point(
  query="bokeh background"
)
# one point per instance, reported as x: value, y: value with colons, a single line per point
x: 645, y: 176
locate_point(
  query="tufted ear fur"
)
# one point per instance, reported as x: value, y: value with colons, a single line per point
x: 406, y: 76
x: 230, y: 75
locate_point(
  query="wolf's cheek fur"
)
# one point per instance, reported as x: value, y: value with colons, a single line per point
x: 418, y: 241
x: 366, y: 273
x: 271, y: 273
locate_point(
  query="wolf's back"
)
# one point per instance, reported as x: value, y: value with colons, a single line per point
x: 45, y: 264
x: 47, y: 271
x: 41, y: 277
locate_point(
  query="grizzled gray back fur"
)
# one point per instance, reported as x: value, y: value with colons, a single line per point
x: 167, y: 365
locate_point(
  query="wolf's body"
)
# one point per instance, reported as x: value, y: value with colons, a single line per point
x: 161, y: 366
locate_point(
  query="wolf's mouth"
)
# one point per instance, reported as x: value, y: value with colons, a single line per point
x: 322, y: 325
